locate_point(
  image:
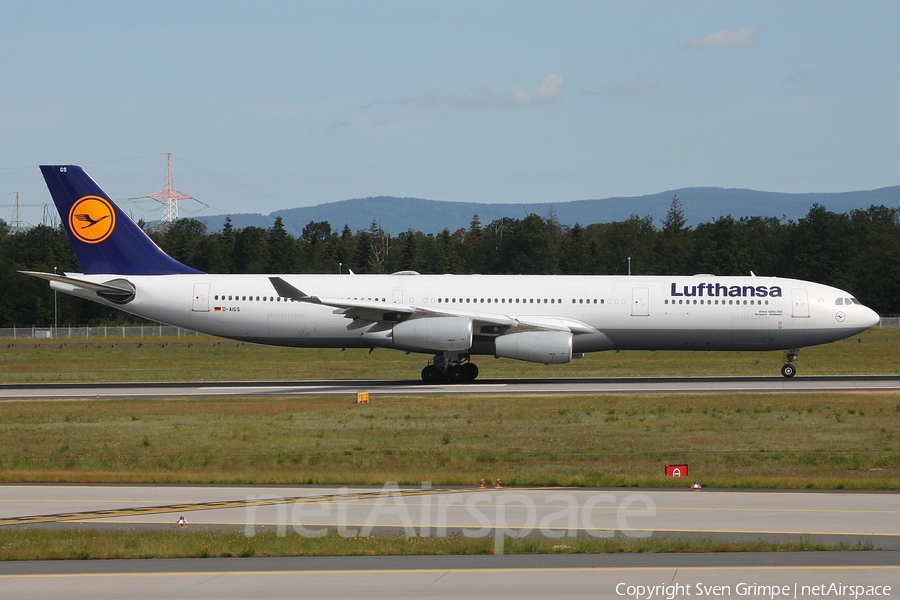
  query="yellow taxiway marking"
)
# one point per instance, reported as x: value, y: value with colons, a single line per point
x: 194, y: 506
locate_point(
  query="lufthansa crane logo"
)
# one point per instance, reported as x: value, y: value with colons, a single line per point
x: 92, y: 219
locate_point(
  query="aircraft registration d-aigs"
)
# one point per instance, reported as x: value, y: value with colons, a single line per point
x: 536, y: 318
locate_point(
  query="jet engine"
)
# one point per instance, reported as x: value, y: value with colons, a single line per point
x: 447, y: 334
x: 548, y: 347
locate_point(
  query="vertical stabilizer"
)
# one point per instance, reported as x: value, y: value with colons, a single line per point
x: 105, y: 240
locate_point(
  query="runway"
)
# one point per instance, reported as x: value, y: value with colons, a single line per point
x: 851, y: 517
x: 642, y: 385
x: 872, y: 517
x: 425, y: 510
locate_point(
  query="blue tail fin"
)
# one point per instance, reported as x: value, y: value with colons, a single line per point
x: 105, y: 240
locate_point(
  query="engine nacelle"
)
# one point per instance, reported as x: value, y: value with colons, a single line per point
x: 448, y: 334
x: 548, y: 347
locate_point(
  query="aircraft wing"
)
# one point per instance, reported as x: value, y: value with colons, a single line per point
x: 369, y: 310
x: 380, y: 312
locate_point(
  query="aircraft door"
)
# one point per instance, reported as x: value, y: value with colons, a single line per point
x: 800, y: 302
x: 201, y: 298
x: 640, y: 302
x: 398, y: 296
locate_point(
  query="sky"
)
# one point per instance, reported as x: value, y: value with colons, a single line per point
x: 278, y: 104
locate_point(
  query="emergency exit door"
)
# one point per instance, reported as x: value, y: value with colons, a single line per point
x: 201, y: 298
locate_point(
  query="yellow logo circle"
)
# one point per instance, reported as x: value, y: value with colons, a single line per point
x: 92, y: 219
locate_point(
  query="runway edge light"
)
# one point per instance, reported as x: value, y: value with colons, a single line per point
x: 677, y: 470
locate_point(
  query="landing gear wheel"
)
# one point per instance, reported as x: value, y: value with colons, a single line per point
x: 471, y: 371
x: 431, y: 374
x: 788, y: 370
x: 456, y: 374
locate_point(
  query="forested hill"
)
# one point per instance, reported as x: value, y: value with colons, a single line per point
x: 429, y: 216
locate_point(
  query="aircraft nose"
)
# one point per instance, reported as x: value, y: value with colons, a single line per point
x: 870, y: 317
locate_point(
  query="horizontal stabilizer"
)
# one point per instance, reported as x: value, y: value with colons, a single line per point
x: 119, y: 291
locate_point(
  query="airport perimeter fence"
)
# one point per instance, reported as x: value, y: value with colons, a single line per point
x: 888, y: 323
x: 139, y: 331
x: 104, y: 331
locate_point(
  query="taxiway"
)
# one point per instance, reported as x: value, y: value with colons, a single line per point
x: 871, y: 517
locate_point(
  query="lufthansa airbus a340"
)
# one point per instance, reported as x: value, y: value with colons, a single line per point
x: 536, y: 318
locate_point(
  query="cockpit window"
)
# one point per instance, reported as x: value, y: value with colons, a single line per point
x: 855, y: 301
x: 839, y: 302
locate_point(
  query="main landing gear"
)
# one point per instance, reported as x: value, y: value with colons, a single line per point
x: 788, y: 369
x: 452, y: 368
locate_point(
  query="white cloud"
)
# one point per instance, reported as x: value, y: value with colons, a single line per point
x: 551, y: 86
x: 725, y: 38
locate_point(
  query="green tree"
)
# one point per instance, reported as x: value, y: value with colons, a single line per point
x: 876, y: 264
x: 674, y: 253
x: 721, y: 248
x: 181, y: 240
x: 611, y: 244
x: 824, y: 248
x: 251, y: 251
x: 533, y: 247
x: 318, y: 245
x: 283, y: 249
x: 575, y: 255
x: 767, y: 240
x: 227, y: 241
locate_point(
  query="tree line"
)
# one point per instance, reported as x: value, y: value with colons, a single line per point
x: 857, y: 251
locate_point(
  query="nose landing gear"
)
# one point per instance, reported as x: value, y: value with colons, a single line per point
x: 788, y: 369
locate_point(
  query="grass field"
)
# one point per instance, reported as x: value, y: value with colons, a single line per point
x: 730, y: 440
x: 212, y: 359
x: 44, y: 544
x: 788, y: 440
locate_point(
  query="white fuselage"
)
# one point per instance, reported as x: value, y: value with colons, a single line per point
x: 618, y: 312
